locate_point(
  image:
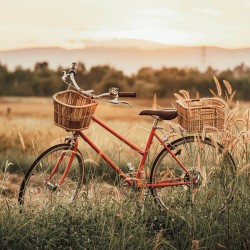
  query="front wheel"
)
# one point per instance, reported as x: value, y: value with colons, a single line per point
x: 210, y: 177
x: 40, y: 188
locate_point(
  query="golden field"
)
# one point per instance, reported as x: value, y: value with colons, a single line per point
x: 31, y: 119
x: 24, y: 120
x: 26, y: 129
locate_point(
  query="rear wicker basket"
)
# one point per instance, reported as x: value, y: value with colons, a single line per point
x: 195, y: 114
x: 72, y: 110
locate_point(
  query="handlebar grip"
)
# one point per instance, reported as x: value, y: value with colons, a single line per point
x: 73, y: 68
x: 127, y: 94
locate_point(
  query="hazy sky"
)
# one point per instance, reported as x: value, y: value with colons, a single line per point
x: 66, y: 23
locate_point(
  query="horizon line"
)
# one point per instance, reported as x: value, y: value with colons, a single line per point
x: 124, y: 47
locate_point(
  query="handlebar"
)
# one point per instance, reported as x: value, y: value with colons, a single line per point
x: 113, y: 92
x: 127, y: 94
x: 72, y: 73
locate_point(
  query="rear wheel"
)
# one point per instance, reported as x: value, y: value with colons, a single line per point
x: 37, y: 191
x: 207, y: 164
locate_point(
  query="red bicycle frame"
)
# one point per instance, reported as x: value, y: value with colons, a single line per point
x: 143, y: 153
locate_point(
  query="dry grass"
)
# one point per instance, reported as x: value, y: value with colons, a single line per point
x: 235, y: 132
x: 27, y: 128
x: 30, y: 120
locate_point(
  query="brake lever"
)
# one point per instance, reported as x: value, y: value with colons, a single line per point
x: 64, y: 77
x: 124, y: 102
x: 114, y: 93
x: 119, y: 102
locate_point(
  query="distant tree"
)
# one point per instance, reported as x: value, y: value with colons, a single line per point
x: 3, y: 80
x: 41, y: 66
x: 43, y: 81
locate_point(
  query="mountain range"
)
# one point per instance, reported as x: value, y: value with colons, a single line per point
x: 128, y: 55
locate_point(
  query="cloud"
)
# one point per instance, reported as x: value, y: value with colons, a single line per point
x: 207, y: 11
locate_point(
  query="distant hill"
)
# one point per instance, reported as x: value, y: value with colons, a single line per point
x: 129, y: 59
x: 124, y: 43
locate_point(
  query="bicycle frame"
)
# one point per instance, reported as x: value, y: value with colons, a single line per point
x: 143, y: 153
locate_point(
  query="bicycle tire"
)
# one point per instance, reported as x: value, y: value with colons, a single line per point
x: 35, y: 192
x: 206, y: 160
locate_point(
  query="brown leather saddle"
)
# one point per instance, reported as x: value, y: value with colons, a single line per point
x: 163, y: 114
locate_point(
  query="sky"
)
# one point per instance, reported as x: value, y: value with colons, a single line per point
x: 67, y: 23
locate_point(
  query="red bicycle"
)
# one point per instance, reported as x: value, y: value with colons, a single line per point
x: 189, y: 170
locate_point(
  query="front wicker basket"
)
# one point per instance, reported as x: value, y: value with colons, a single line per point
x: 195, y: 114
x: 72, y: 110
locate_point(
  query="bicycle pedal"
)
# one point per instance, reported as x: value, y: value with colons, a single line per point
x: 52, y: 187
x: 131, y: 168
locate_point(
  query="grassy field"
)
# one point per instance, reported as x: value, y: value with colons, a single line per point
x: 26, y: 129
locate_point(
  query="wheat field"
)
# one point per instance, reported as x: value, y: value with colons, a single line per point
x: 27, y: 128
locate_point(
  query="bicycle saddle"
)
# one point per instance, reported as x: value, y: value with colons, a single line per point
x: 163, y: 114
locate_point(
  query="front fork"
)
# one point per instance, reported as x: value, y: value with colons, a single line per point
x: 73, y: 142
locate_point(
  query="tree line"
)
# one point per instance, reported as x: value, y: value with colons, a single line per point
x: 44, y: 81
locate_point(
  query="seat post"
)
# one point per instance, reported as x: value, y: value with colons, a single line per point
x: 156, y: 120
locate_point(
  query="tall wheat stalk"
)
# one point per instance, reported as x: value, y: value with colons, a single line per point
x: 235, y: 134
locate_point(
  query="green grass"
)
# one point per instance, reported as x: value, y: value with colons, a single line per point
x: 115, y: 225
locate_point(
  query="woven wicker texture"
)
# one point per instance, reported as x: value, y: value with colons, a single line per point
x: 73, y: 111
x: 195, y: 114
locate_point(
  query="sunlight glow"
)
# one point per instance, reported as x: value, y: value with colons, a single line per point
x: 67, y: 24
